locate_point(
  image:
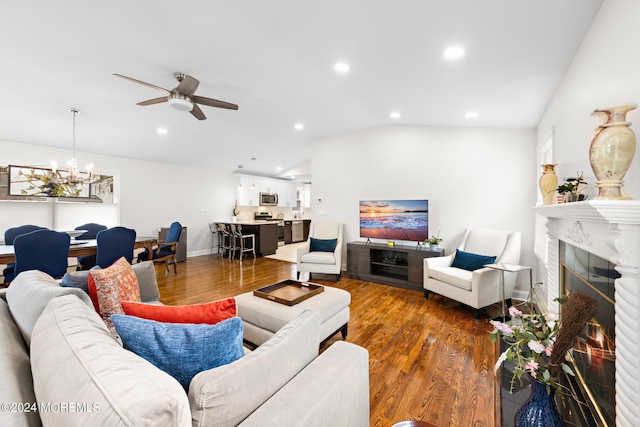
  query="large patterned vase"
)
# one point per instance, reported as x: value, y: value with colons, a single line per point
x: 613, y: 146
x: 539, y: 410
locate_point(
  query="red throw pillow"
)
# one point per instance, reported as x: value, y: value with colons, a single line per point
x: 208, y: 313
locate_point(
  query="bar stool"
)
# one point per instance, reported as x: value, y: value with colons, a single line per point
x: 239, y: 241
x: 225, y: 239
x: 213, y: 228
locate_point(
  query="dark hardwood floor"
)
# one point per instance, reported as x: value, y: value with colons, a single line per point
x: 429, y: 359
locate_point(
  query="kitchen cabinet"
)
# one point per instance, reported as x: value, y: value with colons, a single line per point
x: 248, y: 189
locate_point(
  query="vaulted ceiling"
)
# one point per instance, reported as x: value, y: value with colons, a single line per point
x: 275, y: 59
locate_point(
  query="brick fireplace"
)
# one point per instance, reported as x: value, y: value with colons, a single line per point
x: 609, y: 229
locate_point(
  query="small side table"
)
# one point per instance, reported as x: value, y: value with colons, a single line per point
x: 510, y: 268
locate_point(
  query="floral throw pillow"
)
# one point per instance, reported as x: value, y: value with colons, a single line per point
x: 111, y: 285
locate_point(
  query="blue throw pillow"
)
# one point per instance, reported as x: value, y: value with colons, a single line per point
x: 323, y: 245
x: 77, y: 279
x: 470, y: 261
x: 181, y: 349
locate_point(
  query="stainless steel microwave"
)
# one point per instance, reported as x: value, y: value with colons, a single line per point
x: 268, y: 199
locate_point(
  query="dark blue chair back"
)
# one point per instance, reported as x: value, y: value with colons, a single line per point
x: 44, y: 250
x: 92, y: 230
x: 173, y: 235
x: 11, y: 233
x: 9, y: 236
x: 114, y: 243
x: 88, y: 261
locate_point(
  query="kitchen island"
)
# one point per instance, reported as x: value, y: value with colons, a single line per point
x: 266, y: 233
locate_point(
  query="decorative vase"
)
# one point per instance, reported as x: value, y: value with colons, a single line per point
x: 434, y: 247
x: 613, y: 146
x: 548, y: 183
x: 540, y: 409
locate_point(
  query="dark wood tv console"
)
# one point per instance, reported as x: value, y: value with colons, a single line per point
x: 399, y: 266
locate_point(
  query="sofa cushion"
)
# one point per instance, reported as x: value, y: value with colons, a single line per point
x: 323, y: 245
x: 109, y: 286
x: 146, y: 274
x: 226, y: 395
x: 181, y: 350
x: 209, y: 313
x: 29, y: 294
x: 453, y: 276
x: 470, y: 261
x: 319, y: 258
x: 75, y: 359
x: 16, y: 384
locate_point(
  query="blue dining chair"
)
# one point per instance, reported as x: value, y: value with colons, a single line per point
x: 166, y: 250
x: 89, y: 261
x: 44, y: 250
x: 9, y: 236
x: 114, y: 243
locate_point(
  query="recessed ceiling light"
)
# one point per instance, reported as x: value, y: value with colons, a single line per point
x: 394, y: 115
x: 162, y: 131
x: 278, y: 168
x: 341, y: 67
x: 454, y: 52
x: 298, y: 126
x: 471, y: 115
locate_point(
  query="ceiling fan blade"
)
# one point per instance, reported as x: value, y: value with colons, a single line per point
x: 197, y: 113
x: 142, y: 83
x: 153, y: 101
x: 213, y: 102
x: 187, y: 86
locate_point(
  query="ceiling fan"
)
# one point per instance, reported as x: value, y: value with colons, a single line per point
x: 182, y: 96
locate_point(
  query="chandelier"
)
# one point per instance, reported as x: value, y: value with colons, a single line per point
x: 74, y: 175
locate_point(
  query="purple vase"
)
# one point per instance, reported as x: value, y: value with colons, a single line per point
x: 540, y: 409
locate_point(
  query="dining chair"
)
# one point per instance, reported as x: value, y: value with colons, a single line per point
x: 166, y: 250
x: 113, y: 243
x: 43, y: 250
x: 89, y: 261
x: 9, y: 236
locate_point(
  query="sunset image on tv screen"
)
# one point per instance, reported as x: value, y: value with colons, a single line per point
x: 395, y: 219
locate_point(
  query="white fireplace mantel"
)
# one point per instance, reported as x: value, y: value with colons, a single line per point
x: 609, y: 229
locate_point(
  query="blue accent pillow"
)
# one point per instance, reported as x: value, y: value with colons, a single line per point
x: 470, y: 261
x: 323, y: 245
x: 78, y: 279
x: 181, y: 349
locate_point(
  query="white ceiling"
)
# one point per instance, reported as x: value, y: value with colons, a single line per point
x: 275, y: 60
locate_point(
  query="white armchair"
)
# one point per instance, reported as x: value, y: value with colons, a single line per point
x: 478, y: 288
x: 321, y: 257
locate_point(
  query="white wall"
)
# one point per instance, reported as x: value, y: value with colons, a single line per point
x: 472, y: 178
x: 150, y: 195
x: 604, y: 72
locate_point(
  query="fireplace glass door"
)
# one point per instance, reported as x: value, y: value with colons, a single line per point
x: 593, y: 355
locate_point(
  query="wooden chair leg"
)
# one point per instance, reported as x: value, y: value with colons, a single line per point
x: 175, y: 265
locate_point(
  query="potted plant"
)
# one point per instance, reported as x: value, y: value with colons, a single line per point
x: 572, y: 188
x: 434, y: 242
x: 538, y: 346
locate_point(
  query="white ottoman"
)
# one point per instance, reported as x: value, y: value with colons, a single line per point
x: 262, y: 318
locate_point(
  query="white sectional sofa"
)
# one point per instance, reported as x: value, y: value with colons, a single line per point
x: 61, y: 367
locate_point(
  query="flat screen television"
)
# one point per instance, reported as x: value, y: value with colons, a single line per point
x: 395, y: 219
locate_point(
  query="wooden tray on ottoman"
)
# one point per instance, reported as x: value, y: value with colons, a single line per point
x: 289, y: 292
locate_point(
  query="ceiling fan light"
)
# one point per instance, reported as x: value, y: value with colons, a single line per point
x: 181, y: 104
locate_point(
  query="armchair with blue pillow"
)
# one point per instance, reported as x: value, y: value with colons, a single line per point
x: 461, y: 276
x: 322, y: 252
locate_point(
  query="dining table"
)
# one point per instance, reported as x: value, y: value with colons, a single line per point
x: 78, y: 248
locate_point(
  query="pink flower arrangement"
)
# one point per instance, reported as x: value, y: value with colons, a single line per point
x: 531, y: 338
